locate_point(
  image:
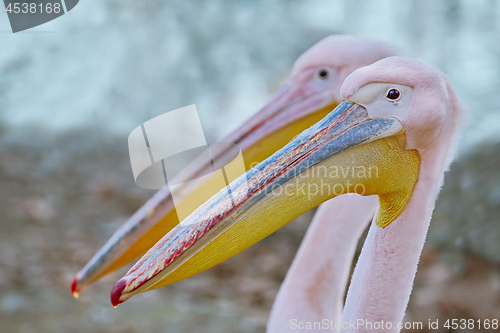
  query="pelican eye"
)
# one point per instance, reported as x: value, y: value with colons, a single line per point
x: 393, y: 94
x: 323, y: 73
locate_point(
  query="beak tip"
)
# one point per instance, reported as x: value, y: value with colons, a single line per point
x: 74, y: 288
x: 117, y: 292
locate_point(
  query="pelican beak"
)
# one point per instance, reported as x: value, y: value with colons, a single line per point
x: 290, y: 111
x: 322, y: 162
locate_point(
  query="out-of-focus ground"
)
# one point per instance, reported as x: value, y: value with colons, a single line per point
x: 62, y: 196
x: 71, y: 93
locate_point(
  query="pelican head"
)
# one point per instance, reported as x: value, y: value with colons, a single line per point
x: 312, y: 91
x: 394, y: 120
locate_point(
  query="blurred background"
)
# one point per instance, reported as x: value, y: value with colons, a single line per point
x: 73, y: 89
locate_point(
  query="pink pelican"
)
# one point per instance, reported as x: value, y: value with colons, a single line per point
x: 311, y: 93
x: 398, y: 118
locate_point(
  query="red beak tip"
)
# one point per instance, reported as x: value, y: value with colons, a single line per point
x: 117, y: 292
x: 74, y: 288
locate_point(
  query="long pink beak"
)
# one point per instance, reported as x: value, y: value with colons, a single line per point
x: 289, y: 105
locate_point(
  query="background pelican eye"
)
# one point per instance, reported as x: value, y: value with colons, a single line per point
x: 393, y: 94
x: 323, y: 73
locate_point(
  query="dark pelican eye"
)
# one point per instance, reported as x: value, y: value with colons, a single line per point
x: 393, y: 94
x: 323, y: 73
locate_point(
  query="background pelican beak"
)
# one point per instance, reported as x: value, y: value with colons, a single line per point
x: 280, y: 189
x: 290, y: 111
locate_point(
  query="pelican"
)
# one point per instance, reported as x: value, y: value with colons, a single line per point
x: 311, y: 93
x: 399, y: 118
